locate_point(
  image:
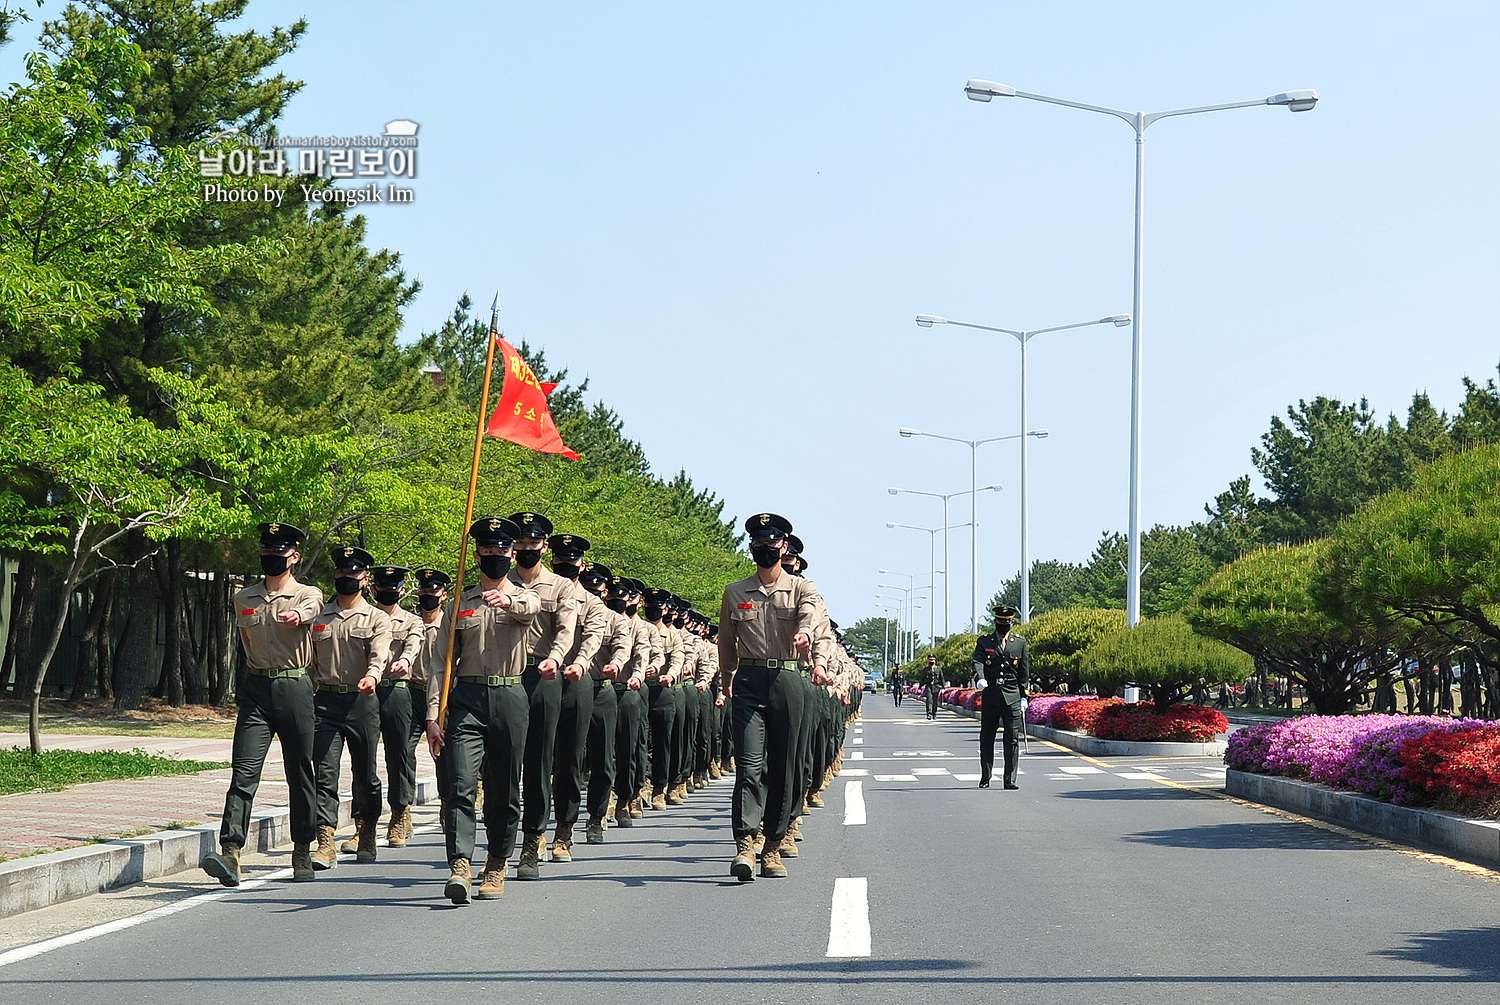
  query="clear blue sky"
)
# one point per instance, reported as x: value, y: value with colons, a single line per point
x: 727, y: 216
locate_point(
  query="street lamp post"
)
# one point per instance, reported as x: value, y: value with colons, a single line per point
x: 932, y: 533
x: 1297, y: 101
x: 1024, y: 337
x: 974, y: 522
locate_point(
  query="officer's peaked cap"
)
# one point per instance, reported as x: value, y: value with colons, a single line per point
x: 494, y: 532
x: 280, y: 535
x: 768, y: 525
x: 531, y: 525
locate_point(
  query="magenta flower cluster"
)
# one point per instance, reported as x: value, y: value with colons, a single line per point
x: 1360, y: 753
x: 1039, y: 709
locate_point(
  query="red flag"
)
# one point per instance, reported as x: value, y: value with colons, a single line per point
x: 522, y: 416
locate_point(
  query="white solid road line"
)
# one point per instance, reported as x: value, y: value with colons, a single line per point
x: 854, y: 803
x: 119, y: 925
x: 849, y: 926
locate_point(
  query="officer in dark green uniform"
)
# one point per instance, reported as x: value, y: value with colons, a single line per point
x: 1003, y: 669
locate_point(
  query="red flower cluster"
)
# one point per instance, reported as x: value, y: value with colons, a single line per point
x: 1180, y: 723
x: 1079, y: 716
x: 1465, y: 763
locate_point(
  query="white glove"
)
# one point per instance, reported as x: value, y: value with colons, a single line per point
x: 981, y: 683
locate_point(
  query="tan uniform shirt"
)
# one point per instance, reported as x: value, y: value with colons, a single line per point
x: 593, y: 629
x: 707, y: 661
x: 407, y: 638
x: 657, y: 646
x: 270, y: 644
x: 645, y: 651
x: 618, y: 645
x: 550, y: 634
x: 672, y: 655
x: 429, y: 666
x: 759, y: 622
x: 488, y: 642
x: 350, y: 644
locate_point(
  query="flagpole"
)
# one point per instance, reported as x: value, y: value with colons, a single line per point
x: 463, y: 535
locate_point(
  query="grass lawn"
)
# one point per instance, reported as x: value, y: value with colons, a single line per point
x: 95, y: 716
x: 57, y: 769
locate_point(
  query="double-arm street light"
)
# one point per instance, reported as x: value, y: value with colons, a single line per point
x: 932, y: 533
x: 974, y: 520
x: 1297, y: 101
x: 1023, y: 337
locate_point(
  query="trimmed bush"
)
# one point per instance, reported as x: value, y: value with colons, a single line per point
x: 1180, y: 723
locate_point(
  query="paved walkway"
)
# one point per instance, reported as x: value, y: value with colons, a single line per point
x: 32, y: 822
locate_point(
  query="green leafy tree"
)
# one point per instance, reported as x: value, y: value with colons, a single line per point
x: 1262, y: 603
x: 1478, y: 419
x: 1054, y: 584
x: 1056, y: 641
x: 955, y: 655
x: 1165, y: 657
x: 874, y: 639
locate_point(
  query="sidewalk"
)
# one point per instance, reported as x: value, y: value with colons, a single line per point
x: 32, y: 822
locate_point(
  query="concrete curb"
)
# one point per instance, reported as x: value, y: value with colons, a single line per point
x: 36, y: 881
x: 1096, y: 747
x: 1475, y: 840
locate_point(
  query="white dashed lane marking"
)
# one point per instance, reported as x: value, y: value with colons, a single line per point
x: 854, y: 803
x: 849, y: 921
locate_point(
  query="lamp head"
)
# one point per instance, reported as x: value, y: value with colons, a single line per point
x: 928, y: 320
x: 1040, y: 434
x: 894, y: 492
x: 984, y: 90
x: 1118, y: 320
x: 1297, y: 101
x: 888, y: 523
x: 992, y: 488
x: 909, y: 433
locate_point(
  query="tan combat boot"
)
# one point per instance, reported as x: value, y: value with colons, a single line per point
x: 624, y: 815
x: 658, y: 798
x: 351, y: 846
x: 562, y: 844
x: 406, y: 826
x: 743, y: 866
x: 815, y: 799
x: 395, y: 831
x: 492, y: 880
x: 714, y: 772
x: 365, y: 851
x: 760, y: 844
x: 457, y: 887
x: 770, y: 864
x: 595, y: 832
x: 788, y: 846
x: 636, y: 809
x: 224, y: 864
x: 327, y: 856
x: 675, y: 795
x: 609, y: 814
x: 530, y: 862
x: 645, y: 796
x: 795, y: 831
x: 302, y: 867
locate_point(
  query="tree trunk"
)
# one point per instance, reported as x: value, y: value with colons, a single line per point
x: 138, y: 643
x: 23, y: 619
x: 216, y: 620
x: 88, y: 642
x: 104, y: 662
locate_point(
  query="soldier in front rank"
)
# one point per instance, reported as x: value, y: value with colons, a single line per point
x: 351, y: 647
x: 274, y: 618
x: 550, y: 640
x: 604, y: 674
x: 398, y: 699
x: 624, y: 597
x: 1003, y: 669
x: 487, y: 711
x: 577, y: 707
x: 662, y: 716
x: 765, y: 623
x: 432, y: 592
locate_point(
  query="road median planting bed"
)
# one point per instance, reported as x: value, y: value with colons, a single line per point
x: 1096, y: 747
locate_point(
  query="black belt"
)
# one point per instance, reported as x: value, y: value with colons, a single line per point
x: 492, y: 681
x: 278, y: 674
x: 771, y: 664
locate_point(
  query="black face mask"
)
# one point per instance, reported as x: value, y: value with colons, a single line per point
x: 767, y: 556
x: 618, y: 605
x: 429, y: 601
x: 790, y: 570
x: 347, y: 586
x: 566, y: 570
x: 527, y: 558
x: 387, y: 598
x: 653, y: 612
x: 679, y: 621
x: 274, y: 565
x: 630, y: 609
x: 494, y: 566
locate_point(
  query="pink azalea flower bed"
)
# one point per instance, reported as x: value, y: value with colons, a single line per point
x: 1039, y: 708
x: 1358, y: 753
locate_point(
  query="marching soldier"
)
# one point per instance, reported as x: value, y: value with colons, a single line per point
x: 488, y: 712
x: 399, y: 707
x: 684, y: 696
x: 550, y: 639
x: 893, y: 682
x: 351, y: 648
x: 766, y: 621
x: 274, y: 618
x: 662, y: 703
x: 706, y: 677
x: 432, y: 592
x: 1004, y: 671
x: 577, y: 706
x: 605, y: 674
x: 631, y: 748
x: 719, y: 756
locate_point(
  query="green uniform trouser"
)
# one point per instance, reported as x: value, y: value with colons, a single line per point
x: 282, y: 707
x: 932, y: 701
x: 999, y: 705
x: 600, y: 749
x: 630, y: 710
x: 575, y: 718
x: 822, y: 740
x: 767, y: 720
x: 351, y: 718
x: 487, y: 725
x: 806, y: 735
x: 683, y: 729
x: 396, y: 715
x: 544, y: 698
x: 661, y: 722
x: 701, y: 755
x: 643, y: 742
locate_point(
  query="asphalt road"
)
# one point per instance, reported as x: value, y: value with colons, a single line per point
x: 1095, y: 881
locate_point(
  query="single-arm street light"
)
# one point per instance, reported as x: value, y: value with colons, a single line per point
x: 1296, y: 101
x: 1023, y: 337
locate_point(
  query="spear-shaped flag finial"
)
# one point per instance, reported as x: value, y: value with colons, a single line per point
x: 495, y: 307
